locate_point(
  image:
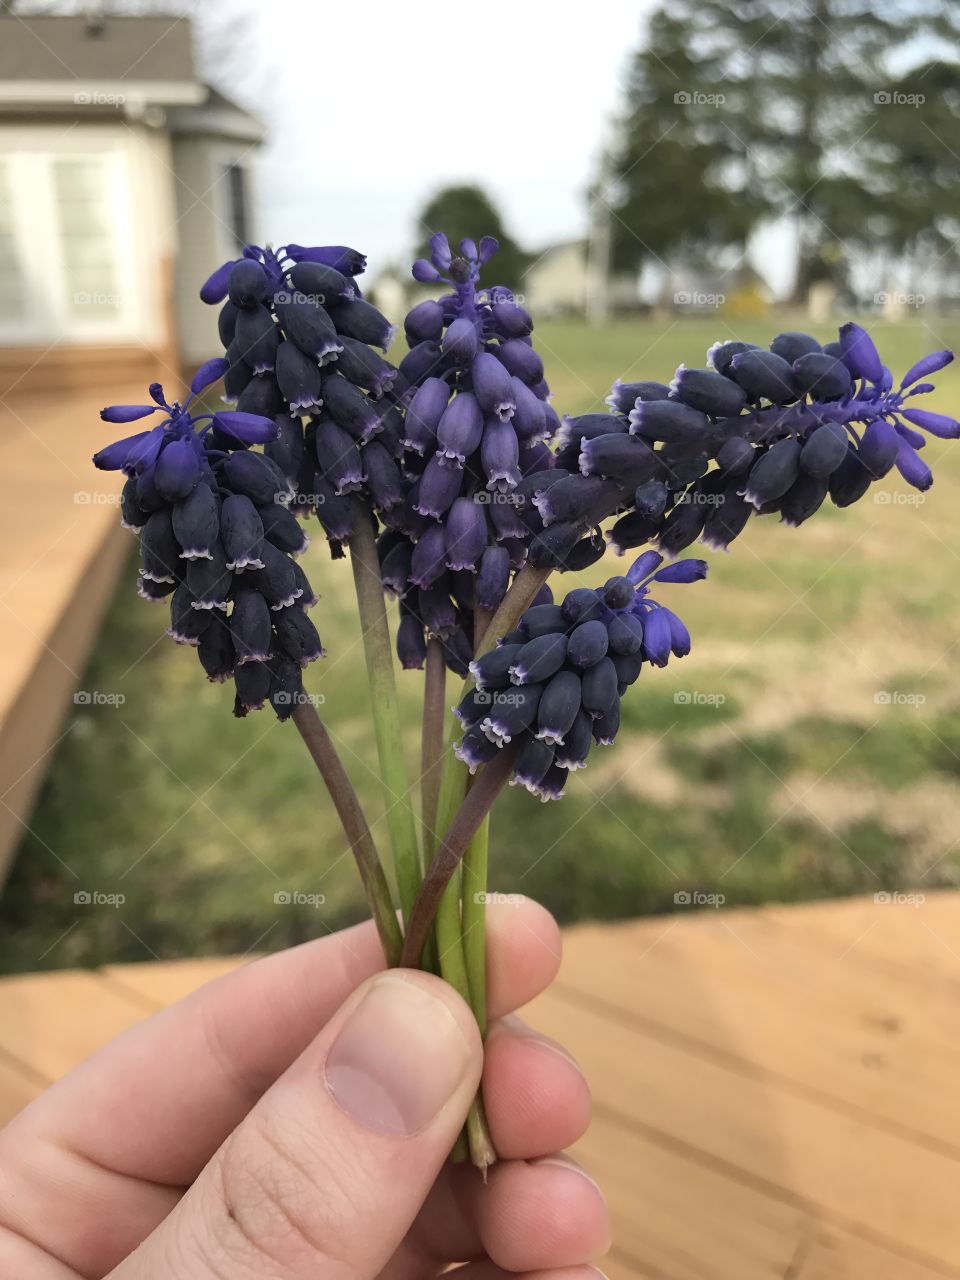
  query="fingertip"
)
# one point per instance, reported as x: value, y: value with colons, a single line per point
x: 524, y: 950
x: 537, y: 1099
x: 543, y: 1213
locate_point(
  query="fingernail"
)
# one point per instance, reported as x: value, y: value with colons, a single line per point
x: 399, y: 1058
x: 564, y: 1162
x: 517, y: 1027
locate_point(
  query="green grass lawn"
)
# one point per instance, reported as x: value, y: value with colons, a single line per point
x: 809, y: 746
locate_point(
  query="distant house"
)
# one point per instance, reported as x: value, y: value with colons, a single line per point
x: 559, y: 282
x: 124, y: 179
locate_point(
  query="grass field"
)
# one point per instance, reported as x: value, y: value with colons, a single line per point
x: 809, y: 746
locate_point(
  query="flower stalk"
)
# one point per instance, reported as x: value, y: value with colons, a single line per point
x: 385, y: 713
x: 324, y: 755
x: 446, y: 861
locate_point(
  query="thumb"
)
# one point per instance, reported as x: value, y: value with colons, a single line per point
x: 326, y: 1174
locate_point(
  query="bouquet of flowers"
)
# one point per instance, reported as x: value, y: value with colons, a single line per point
x: 453, y: 487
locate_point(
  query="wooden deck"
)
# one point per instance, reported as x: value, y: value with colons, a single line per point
x: 61, y: 549
x: 775, y: 1090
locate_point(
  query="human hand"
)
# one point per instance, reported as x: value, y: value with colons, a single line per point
x: 293, y: 1120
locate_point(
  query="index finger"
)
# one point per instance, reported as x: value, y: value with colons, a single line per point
x: 155, y: 1103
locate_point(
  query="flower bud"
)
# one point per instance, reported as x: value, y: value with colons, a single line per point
x: 793, y: 346
x: 423, y: 416
x: 350, y: 408
x: 624, y: 395
x: 339, y: 457
x: 283, y: 529
x: 773, y: 473
x: 821, y: 376
x: 439, y: 486
x: 461, y: 341
x: 824, y: 450
x: 667, y: 420
x: 598, y: 689
x: 359, y: 319
x: 879, y: 447
x: 520, y: 360
x: 251, y: 627
x: 411, y: 645
x: 500, y: 455
x: 493, y: 578
x: 429, y: 557
x: 558, y: 707
x: 460, y: 429
x: 851, y: 480
x: 804, y: 497
x: 492, y: 386
x: 196, y: 522
x: 299, y: 379
x: 253, y: 686
x: 257, y: 338
x: 539, y: 658
x: 709, y: 391
x: 297, y: 636
x: 177, y: 469
x: 859, y: 353
x: 309, y: 327
x: 531, y: 763
x: 424, y: 322
x: 246, y: 284
x: 764, y: 376
x: 588, y: 644
x: 466, y: 534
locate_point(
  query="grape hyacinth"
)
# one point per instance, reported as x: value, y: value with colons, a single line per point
x: 755, y: 432
x: 552, y: 687
x: 476, y: 423
x: 217, y: 538
x: 300, y: 342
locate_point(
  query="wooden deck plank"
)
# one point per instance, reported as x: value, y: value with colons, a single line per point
x: 774, y: 1001
x: 764, y: 1099
x: 899, y: 1193
x: 51, y: 1021
x: 61, y: 550
x: 675, y: 1217
x: 166, y: 981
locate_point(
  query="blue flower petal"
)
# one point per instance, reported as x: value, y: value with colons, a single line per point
x: 251, y: 428
x: 214, y: 288
x: 126, y: 412
x: 208, y: 373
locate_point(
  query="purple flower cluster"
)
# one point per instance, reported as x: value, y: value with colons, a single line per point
x: 217, y: 538
x: 299, y: 343
x: 552, y: 688
x: 476, y: 423
x: 757, y: 431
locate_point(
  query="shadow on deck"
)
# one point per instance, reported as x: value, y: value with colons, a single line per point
x: 775, y: 1090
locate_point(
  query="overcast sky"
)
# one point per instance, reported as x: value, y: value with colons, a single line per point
x: 373, y: 106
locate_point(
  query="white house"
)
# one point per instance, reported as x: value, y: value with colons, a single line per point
x: 124, y: 180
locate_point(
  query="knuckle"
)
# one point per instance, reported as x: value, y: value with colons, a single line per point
x: 273, y: 1206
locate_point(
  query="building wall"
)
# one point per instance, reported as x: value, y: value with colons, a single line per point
x: 558, y: 282
x: 206, y: 232
x: 87, y: 217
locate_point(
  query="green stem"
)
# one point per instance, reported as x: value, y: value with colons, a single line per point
x: 431, y: 743
x: 474, y: 920
x: 386, y: 712
x: 448, y: 931
x: 325, y: 757
x: 488, y: 784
